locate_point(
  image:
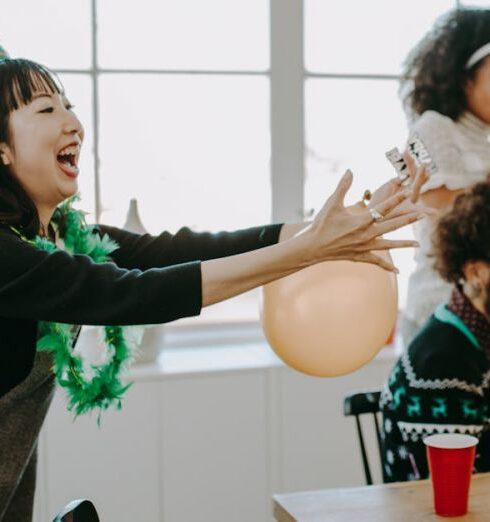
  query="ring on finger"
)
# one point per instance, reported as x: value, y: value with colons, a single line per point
x: 366, y: 197
x: 377, y: 216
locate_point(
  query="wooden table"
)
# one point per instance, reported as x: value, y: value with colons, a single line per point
x: 400, y: 502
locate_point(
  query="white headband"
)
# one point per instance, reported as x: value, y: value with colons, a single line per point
x: 478, y: 55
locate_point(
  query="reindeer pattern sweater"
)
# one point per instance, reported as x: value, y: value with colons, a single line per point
x: 440, y: 384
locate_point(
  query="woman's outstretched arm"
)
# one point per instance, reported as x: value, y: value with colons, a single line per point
x: 337, y: 233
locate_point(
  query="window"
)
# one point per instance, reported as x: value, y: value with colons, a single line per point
x: 226, y: 114
x: 353, y: 57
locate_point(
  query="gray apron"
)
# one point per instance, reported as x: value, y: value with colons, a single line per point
x: 22, y: 413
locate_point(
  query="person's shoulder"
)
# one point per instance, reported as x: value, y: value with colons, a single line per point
x: 443, y: 349
x: 434, y: 118
x: 17, y: 253
x: 433, y: 121
x: 14, y: 241
x: 438, y: 336
x: 9, y: 233
x: 440, y: 135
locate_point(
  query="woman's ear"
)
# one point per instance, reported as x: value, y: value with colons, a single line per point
x: 4, y: 154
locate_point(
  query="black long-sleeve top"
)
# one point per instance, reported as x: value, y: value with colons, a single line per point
x: 152, y: 279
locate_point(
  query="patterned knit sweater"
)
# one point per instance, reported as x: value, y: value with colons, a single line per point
x: 440, y: 384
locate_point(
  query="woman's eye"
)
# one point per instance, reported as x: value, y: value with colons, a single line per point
x: 69, y: 107
x: 47, y: 110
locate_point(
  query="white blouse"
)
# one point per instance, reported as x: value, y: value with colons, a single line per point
x: 461, y: 152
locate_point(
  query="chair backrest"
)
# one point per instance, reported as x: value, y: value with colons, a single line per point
x: 361, y: 403
x: 80, y: 510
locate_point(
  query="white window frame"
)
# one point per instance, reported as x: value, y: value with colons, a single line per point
x: 287, y: 77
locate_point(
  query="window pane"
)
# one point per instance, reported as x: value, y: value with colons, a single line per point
x: 193, y: 150
x: 55, y: 33
x: 351, y: 124
x: 184, y: 34
x: 355, y: 36
x: 78, y: 89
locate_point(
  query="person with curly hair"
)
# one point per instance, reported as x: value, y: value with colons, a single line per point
x: 446, y: 93
x: 441, y: 383
x: 57, y: 273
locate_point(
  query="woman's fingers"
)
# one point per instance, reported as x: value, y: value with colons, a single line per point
x: 336, y: 199
x: 343, y: 187
x: 385, y: 191
x: 383, y: 244
x: 387, y: 206
x: 412, y: 168
x: 395, y: 182
x: 380, y: 243
x: 418, y: 175
x: 388, y: 244
x: 412, y: 204
x: 374, y: 259
x: 345, y: 233
x: 420, y: 178
x: 389, y: 225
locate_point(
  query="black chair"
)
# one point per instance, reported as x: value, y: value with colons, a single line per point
x: 81, y: 510
x: 361, y: 403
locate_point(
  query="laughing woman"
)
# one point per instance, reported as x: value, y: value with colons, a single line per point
x: 56, y: 272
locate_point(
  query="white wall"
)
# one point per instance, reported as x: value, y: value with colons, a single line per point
x: 208, y: 445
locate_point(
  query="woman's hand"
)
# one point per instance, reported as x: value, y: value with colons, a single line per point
x: 351, y: 233
x: 385, y: 191
x: 337, y: 232
x: 436, y: 200
x: 417, y: 177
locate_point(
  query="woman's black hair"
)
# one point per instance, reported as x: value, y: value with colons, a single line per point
x: 20, y: 79
x: 434, y: 75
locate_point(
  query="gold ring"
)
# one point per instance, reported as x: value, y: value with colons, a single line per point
x: 366, y: 197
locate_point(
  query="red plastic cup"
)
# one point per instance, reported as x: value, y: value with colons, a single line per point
x: 451, y: 458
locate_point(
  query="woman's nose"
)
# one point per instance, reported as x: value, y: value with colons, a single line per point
x: 73, y: 124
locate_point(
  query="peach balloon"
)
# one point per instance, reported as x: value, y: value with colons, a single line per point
x: 330, y: 319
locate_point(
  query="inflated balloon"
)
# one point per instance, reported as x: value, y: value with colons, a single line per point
x: 332, y: 318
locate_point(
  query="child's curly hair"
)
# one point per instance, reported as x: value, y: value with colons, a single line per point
x: 463, y: 233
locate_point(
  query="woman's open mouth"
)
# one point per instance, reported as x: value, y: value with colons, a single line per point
x: 67, y: 159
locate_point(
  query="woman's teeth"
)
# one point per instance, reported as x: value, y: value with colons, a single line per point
x: 71, y: 149
x: 67, y: 158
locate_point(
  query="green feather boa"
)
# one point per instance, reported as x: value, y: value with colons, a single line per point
x: 104, y: 387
